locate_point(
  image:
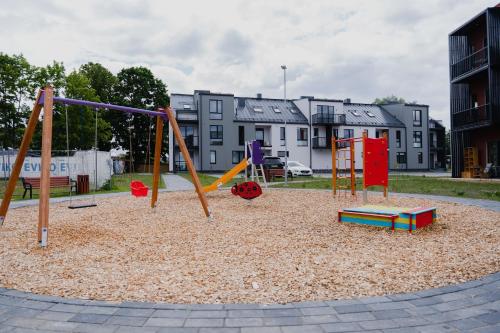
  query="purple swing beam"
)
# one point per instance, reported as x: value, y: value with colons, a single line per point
x: 70, y: 101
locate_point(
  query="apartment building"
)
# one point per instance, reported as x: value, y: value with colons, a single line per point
x: 474, y: 53
x: 437, y: 143
x: 216, y: 125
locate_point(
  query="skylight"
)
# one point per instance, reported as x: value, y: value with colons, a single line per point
x: 369, y: 114
x: 292, y: 110
x: 355, y: 113
x: 258, y: 109
x: 187, y: 107
x: 276, y: 109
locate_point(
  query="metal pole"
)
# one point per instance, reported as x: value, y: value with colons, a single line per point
x: 286, y: 141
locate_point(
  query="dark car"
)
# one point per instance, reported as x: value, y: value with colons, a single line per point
x: 273, y: 163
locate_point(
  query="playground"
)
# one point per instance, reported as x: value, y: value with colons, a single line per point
x: 271, y: 249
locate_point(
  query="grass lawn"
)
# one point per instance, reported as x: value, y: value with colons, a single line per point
x: 416, y: 184
x: 119, y: 183
x: 204, y: 178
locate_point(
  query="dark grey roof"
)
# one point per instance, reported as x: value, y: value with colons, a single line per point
x: 177, y: 101
x: 244, y: 111
x: 380, y: 116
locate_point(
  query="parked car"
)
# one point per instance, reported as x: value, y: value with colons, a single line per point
x: 271, y: 162
x: 298, y: 169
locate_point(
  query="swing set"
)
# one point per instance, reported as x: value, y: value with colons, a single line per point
x: 45, y: 100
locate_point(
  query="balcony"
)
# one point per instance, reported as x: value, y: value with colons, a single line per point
x: 472, y: 118
x: 186, y: 115
x: 470, y: 63
x: 319, y: 142
x: 191, y: 142
x: 328, y: 119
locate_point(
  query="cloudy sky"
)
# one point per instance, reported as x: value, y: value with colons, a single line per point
x: 335, y: 49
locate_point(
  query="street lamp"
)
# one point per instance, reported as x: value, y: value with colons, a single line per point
x: 283, y: 67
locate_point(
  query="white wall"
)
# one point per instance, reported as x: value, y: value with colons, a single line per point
x: 296, y: 153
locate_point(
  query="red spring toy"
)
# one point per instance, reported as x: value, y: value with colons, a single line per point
x: 247, y: 190
x: 138, y: 188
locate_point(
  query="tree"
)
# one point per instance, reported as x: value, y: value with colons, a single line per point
x: 101, y: 80
x: 137, y: 87
x: 389, y: 100
x: 16, y: 93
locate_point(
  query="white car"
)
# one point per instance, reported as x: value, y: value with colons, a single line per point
x: 298, y: 169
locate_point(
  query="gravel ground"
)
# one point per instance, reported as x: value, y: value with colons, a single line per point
x: 283, y: 246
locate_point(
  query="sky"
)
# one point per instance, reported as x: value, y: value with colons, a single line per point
x: 333, y: 49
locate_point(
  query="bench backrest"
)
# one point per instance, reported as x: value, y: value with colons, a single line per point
x: 54, y: 181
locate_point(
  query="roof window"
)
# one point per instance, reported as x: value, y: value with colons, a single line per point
x: 369, y: 114
x: 355, y: 113
x: 187, y: 107
x: 258, y: 109
x: 276, y: 109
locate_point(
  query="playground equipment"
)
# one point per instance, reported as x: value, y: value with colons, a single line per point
x: 375, y: 163
x: 390, y: 217
x: 254, y: 159
x: 247, y: 190
x: 138, y: 189
x: 45, y: 99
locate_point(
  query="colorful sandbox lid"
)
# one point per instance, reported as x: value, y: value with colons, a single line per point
x: 387, y: 210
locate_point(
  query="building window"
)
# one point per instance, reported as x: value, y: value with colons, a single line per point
x: 324, y: 109
x: 281, y: 153
x: 215, y: 109
x: 420, y: 157
x: 335, y: 133
x: 355, y: 113
x: 276, y: 109
x: 401, y: 158
x: 417, y: 139
x: 258, y: 109
x: 213, y: 157
x: 282, y: 136
x: 216, y: 135
x: 301, y: 136
x: 348, y: 133
x: 417, y: 118
x: 187, y: 107
x: 316, y: 132
x: 238, y: 156
x: 292, y: 110
x: 241, y: 135
x: 398, y: 139
x: 370, y: 114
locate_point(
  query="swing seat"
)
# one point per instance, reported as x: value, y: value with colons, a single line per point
x: 138, y: 188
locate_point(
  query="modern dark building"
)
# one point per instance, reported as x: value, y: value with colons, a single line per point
x: 474, y: 53
x: 437, y: 144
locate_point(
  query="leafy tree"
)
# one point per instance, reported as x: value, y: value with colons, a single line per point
x: 101, y: 80
x: 389, y: 100
x: 53, y: 75
x: 137, y: 87
x: 16, y: 94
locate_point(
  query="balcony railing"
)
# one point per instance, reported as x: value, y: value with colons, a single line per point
x: 470, y: 63
x: 328, y: 119
x: 190, y: 140
x: 319, y: 142
x: 186, y: 115
x: 471, y: 118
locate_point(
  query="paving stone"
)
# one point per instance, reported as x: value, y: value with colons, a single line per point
x: 208, y: 314
x: 302, y: 329
x: 341, y: 327
x: 133, y: 329
x: 58, y: 326
x: 242, y: 306
x: 54, y: 315
x: 260, y: 330
x: 352, y: 308
x: 467, y: 324
x: 452, y: 296
x: 126, y: 321
x: 390, y: 305
x: 22, y: 312
x: 95, y: 328
x: 281, y: 313
x: 283, y: 321
x: 24, y: 322
x: 89, y: 318
x: 134, y: 312
x: 165, y: 322
x: 437, y: 328
x: 204, y: 322
x: 401, y: 330
x: 411, y: 321
x: 358, y: 316
x: 306, y: 304
x: 341, y: 302
x: 490, y: 318
x: 489, y: 329
x: 391, y: 314
x: 246, y: 313
x: 177, y: 330
x: 16, y: 293
x: 426, y: 301
x: 403, y: 297
x: 324, y: 310
x: 168, y: 313
x: 219, y: 330
x: 35, y: 304
x: 67, y: 308
x: 99, y: 310
x: 378, y: 324
x: 242, y: 322
x: 375, y: 299
x: 322, y: 319
x: 205, y: 307
x: 10, y: 301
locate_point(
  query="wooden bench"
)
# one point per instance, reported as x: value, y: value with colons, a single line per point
x: 272, y: 173
x: 30, y: 183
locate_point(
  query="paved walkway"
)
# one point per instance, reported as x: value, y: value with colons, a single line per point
x: 470, y: 307
x: 177, y: 183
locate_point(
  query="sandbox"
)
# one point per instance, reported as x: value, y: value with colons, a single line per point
x: 283, y: 246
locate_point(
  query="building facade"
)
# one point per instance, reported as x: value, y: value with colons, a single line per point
x: 474, y: 53
x: 437, y: 144
x: 215, y: 127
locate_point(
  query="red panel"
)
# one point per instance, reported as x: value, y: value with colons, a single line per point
x: 376, y: 162
x: 424, y: 219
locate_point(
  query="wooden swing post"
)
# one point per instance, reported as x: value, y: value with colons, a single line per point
x: 156, y: 166
x: 16, y: 170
